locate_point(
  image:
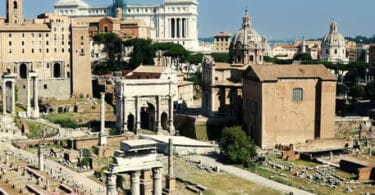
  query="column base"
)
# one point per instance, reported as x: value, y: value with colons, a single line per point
x: 36, y: 114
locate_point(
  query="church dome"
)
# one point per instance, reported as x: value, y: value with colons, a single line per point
x: 71, y: 3
x: 247, y: 37
x: 333, y: 37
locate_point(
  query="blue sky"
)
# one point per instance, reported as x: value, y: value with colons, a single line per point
x: 277, y: 19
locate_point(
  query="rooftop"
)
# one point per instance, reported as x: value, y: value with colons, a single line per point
x: 275, y: 72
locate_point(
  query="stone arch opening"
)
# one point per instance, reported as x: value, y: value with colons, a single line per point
x: 15, y: 5
x: 23, y: 71
x: 164, y: 121
x: 56, y: 70
x: 148, y: 117
x: 130, y: 122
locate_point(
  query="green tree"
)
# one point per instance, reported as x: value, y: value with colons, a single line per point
x: 194, y: 58
x: 221, y: 57
x: 143, y: 52
x: 236, y: 147
x: 357, y: 92
x: 112, y: 45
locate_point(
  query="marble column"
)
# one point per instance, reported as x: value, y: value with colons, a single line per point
x: 137, y: 115
x: 157, y: 183
x: 13, y: 82
x: 28, y: 98
x: 111, y: 184
x: 4, y: 97
x: 135, y: 183
x: 170, y: 179
x: 172, y: 130
x: 158, y: 118
x: 124, y: 117
x: 36, y: 98
x: 102, y: 134
x: 40, y: 158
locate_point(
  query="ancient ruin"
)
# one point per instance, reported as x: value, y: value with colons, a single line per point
x: 32, y: 109
x: 9, y: 93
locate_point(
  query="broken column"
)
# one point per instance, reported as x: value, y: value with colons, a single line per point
x: 102, y: 134
x: 135, y: 183
x: 40, y: 158
x: 171, y: 180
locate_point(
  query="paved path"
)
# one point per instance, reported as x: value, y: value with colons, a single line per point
x: 250, y: 176
x: 79, y: 178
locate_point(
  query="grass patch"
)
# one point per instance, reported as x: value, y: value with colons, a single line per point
x: 36, y: 130
x: 66, y: 120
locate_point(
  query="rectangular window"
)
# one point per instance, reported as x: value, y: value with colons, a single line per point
x: 297, y: 94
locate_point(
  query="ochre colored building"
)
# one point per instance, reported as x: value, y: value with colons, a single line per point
x: 56, y: 48
x: 288, y: 104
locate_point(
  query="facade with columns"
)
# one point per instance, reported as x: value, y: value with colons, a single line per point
x: 137, y: 158
x: 174, y: 21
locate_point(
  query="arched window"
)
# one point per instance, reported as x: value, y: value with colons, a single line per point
x: 23, y: 71
x: 297, y: 94
x: 15, y: 5
x: 56, y: 70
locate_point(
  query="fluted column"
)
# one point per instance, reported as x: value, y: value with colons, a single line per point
x: 157, y: 184
x: 135, y: 183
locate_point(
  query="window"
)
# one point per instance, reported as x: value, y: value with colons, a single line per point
x: 45, y: 86
x: 23, y: 43
x: 10, y: 35
x: 10, y: 43
x: 32, y: 50
x: 297, y: 94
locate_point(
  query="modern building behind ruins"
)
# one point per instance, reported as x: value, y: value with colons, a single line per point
x: 288, y: 104
x: 54, y: 47
x: 173, y: 21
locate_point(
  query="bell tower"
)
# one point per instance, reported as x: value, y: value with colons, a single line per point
x: 14, y: 11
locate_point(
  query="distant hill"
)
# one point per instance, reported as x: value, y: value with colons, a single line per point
x: 207, y: 39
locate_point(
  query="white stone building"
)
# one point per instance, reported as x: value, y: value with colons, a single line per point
x: 334, y: 47
x: 174, y: 21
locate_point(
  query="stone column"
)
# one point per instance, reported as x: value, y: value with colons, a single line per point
x: 157, y: 184
x: 111, y: 184
x: 187, y: 27
x: 137, y: 115
x: 158, y: 118
x: 13, y: 97
x: 124, y: 117
x: 170, y: 179
x: 171, y: 125
x: 4, y: 97
x: 40, y: 158
x: 102, y: 134
x: 36, y: 98
x: 135, y: 183
x: 28, y: 97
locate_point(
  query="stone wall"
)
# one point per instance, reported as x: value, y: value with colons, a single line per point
x: 51, y: 88
x: 348, y: 125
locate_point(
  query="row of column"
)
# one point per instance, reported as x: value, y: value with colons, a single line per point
x: 32, y: 112
x: 158, y: 113
x: 138, y: 185
x: 178, y: 27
